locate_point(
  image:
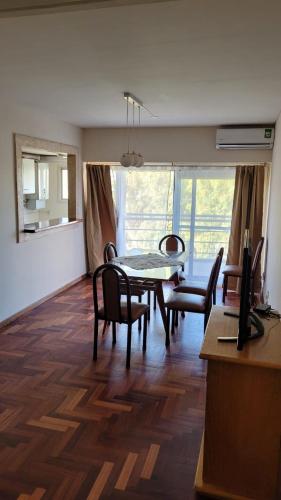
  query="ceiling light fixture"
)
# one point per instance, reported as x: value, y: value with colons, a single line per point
x: 132, y: 159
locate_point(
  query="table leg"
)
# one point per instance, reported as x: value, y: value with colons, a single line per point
x: 161, y: 302
x: 176, y: 279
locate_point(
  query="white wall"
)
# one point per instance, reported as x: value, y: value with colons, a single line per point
x: 186, y: 144
x: 273, y: 274
x: 32, y: 270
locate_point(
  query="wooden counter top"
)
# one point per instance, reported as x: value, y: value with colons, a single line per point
x: 37, y: 227
x: 264, y: 351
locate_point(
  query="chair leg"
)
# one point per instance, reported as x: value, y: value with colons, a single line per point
x: 224, y: 292
x: 182, y: 314
x: 113, y: 333
x: 168, y: 328
x: 144, y: 332
x: 104, y: 327
x: 96, y: 331
x: 154, y: 301
x: 173, y: 322
x: 176, y: 279
x: 177, y: 318
x: 129, y: 338
x: 148, y: 303
x: 139, y: 320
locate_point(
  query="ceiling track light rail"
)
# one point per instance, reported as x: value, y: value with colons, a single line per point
x: 131, y: 158
x: 132, y: 99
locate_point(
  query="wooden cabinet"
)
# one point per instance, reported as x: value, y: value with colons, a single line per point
x: 29, y: 176
x: 240, y: 452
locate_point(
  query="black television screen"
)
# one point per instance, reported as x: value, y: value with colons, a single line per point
x: 247, y: 319
x: 244, y: 329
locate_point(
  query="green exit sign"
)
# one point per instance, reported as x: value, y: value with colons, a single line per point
x: 267, y: 133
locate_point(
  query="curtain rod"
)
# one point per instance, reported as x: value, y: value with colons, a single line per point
x: 183, y: 164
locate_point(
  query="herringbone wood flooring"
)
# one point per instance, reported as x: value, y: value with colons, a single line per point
x: 74, y: 429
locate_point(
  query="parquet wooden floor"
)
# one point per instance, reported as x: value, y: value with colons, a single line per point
x: 72, y: 429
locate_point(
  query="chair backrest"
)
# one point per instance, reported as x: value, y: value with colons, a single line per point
x: 109, y: 252
x: 257, y: 257
x: 111, y: 276
x: 212, y: 279
x: 220, y: 254
x: 172, y: 243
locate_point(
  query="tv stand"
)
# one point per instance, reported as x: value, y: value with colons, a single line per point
x: 240, y: 453
x: 253, y: 320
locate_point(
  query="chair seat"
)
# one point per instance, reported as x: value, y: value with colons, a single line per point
x: 186, y: 301
x: 136, y: 308
x: 232, y: 270
x: 194, y: 287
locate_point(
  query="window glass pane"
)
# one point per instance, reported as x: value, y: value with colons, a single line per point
x: 148, y: 208
x: 214, y: 199
x: 64, y: 184
x: 206, y: 197
x: 195, y: 203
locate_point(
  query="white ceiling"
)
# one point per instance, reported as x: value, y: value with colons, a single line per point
x: 193, y: 62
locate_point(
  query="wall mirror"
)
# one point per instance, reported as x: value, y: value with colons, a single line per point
x: 46, y: 185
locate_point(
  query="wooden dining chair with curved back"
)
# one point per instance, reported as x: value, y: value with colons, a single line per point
x: 113, y: 309
x: 199, y: 288
x: 109, y: 252
x: 171, y: 243
x: 191, y: 302
x: 235, y: 271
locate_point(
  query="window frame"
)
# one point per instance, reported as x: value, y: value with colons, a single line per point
x: 73, y: 155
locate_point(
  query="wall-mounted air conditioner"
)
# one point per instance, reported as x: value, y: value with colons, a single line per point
x: 245, y: 138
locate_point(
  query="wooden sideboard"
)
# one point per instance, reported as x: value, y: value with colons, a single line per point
x: 240, y: 456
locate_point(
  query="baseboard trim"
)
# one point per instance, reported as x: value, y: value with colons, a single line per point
x: 28, y: 309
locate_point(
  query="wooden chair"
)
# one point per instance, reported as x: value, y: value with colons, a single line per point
x: 201, y: 288
x: 115, y: 310
x: 109, y: 252
x: 170, y: 243
x: 236, y: 271
x: 191, y: 302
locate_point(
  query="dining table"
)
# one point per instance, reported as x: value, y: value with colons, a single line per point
x: 150, y: 270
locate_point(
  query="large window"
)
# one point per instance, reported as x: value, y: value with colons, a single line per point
x: 194, y: 202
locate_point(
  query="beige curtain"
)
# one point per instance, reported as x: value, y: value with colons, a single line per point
x: 247, y: 212
x: 100, y: 215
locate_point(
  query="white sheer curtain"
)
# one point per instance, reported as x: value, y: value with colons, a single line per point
x: 144, y: 206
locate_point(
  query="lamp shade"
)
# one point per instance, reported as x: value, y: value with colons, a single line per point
x: 139, y: 161
x: 126, y: 160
